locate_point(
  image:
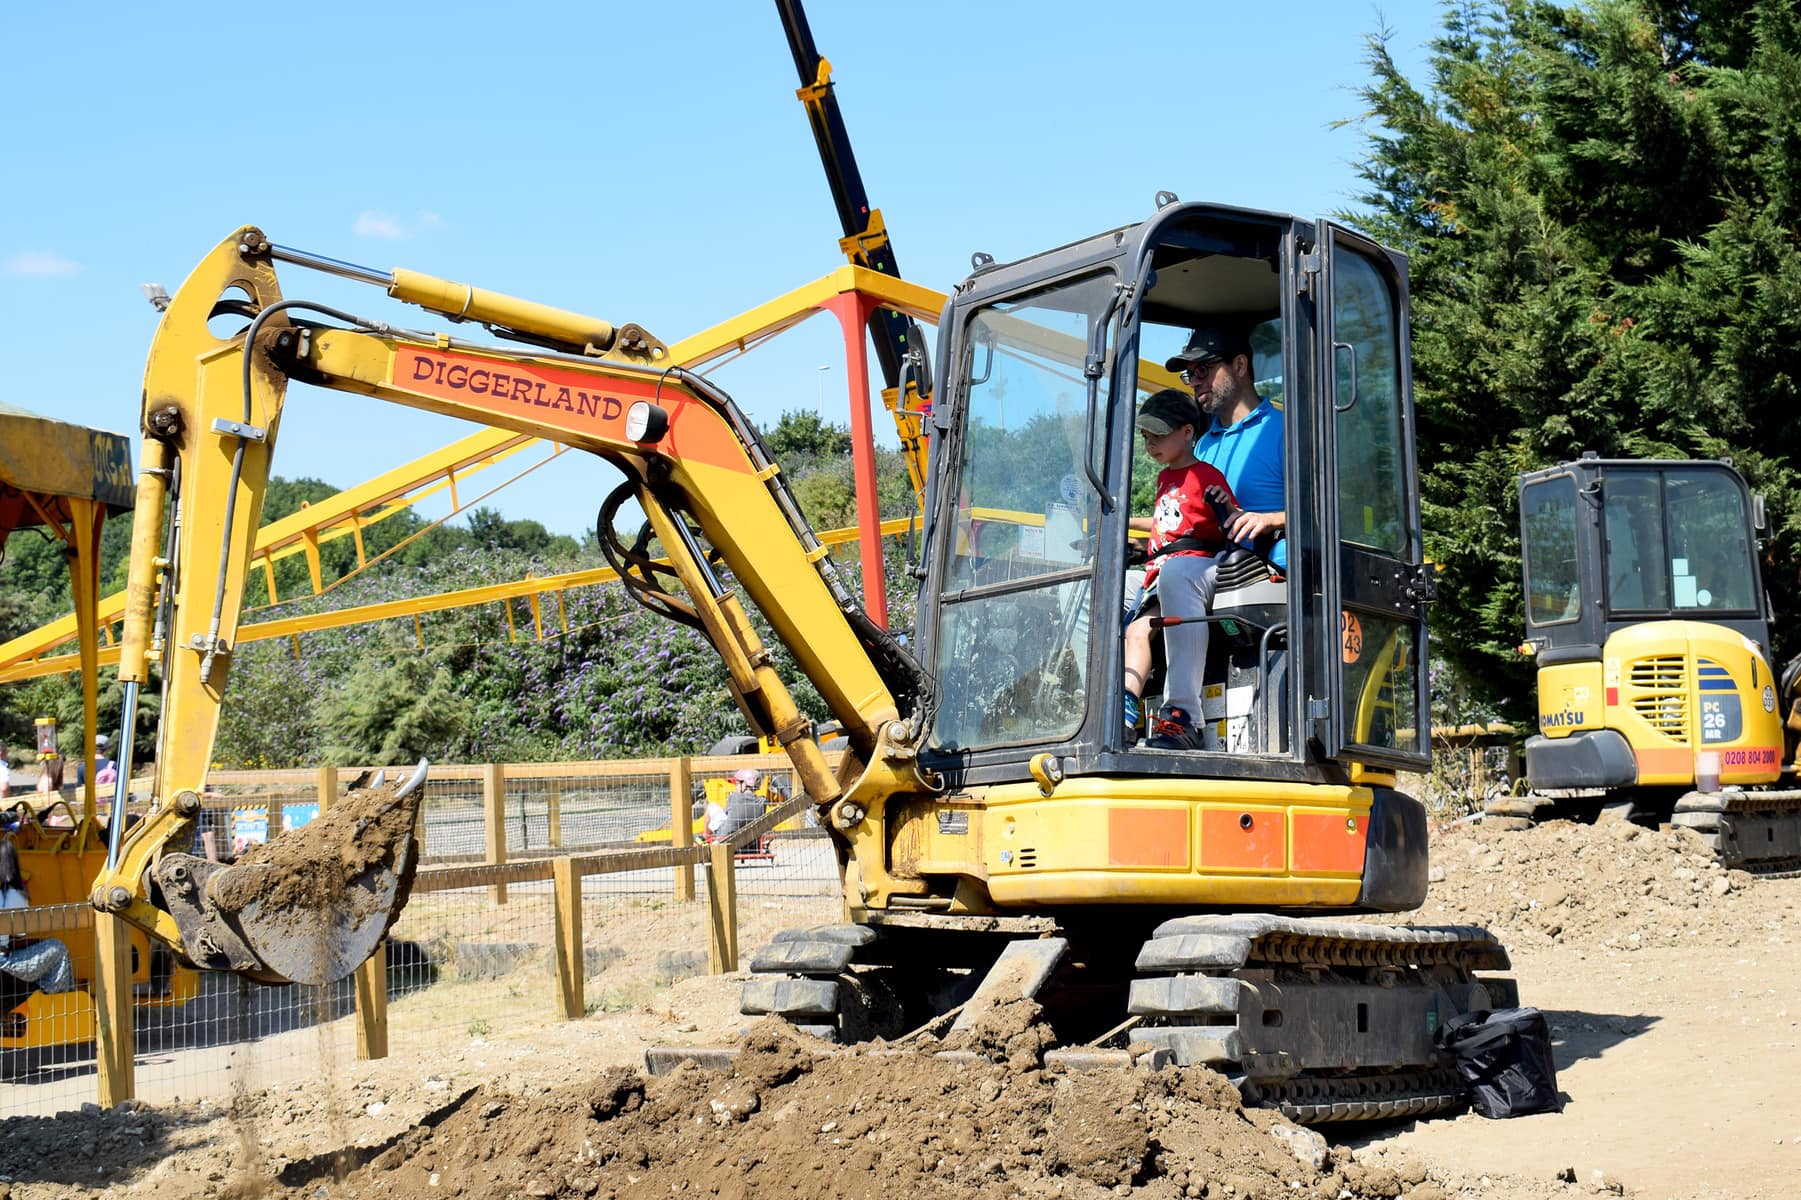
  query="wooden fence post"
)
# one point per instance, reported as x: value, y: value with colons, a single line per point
x: 681, y: 823
x: 114, y: 1036
x: 722, y: 911
x: 372, y: 1005
x: 328, y: 787
x: 553, y: 815
x: 569, y: 960
x: 494, y: 808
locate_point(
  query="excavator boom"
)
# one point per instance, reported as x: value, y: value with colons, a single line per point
x: 693, y: 465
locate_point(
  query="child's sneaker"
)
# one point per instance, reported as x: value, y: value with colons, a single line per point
x: 1134, y: 714
x: 1174, y: 729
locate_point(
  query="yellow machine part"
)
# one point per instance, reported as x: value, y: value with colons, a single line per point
x: 60, y: 866
x: 1677, y: 688
x: 1569, y: 699
x: 1144, y: 840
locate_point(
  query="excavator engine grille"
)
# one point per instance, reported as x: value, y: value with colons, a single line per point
x: 1661, y: 699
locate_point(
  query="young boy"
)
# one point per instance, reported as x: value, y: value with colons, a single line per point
x: 1178, y: 581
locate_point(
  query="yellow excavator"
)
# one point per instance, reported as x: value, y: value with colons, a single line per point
x: 990, y: 806
x: 1657, y: 697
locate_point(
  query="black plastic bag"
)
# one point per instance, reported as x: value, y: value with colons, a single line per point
x: 1504, y: 1056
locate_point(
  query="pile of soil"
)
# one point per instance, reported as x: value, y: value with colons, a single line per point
x: 796, y: 1117
x: 1611, y: 886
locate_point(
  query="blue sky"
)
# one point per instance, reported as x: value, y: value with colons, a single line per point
x: 639, y: 163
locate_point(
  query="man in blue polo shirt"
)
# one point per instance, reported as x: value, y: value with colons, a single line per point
x: 1245, y: 439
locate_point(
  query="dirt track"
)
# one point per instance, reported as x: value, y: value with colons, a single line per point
x: 1668, y: 984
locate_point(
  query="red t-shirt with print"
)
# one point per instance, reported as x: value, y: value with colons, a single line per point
x: 1182, y: 511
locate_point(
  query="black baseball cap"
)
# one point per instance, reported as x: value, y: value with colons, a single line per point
x: 1214, y: 340
x: 1168, y: 410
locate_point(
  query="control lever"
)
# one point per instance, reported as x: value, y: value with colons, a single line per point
x: 1226, y: 510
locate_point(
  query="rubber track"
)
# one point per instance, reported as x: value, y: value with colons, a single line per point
x: 1296, y: 941
x: 1318, y: 1100
x: 1774, y: 868
x: 1724, y: 833
x: 1301, y: 941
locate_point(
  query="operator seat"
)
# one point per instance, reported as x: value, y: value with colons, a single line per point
x: 1249, y: 650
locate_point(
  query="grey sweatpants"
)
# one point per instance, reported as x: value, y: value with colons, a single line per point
x: 1185, y: 589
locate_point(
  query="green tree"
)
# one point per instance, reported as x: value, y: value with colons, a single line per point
x: 803, y: 434
x: 1599, y: 203
x: 396, y: 708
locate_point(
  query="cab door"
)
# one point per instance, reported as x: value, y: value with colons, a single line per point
x: 1376, y: 702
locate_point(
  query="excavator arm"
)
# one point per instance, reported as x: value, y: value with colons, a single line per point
x: 692, y: 464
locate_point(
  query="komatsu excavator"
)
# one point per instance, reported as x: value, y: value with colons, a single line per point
x: 991, y: 798
x: 1657, y: 697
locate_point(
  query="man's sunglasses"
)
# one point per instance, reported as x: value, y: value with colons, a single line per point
x: 1198, y: 372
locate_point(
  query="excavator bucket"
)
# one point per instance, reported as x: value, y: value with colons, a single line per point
x: 309, y: 906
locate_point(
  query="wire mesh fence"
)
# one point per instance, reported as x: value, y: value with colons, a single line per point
x: 461, y: 963
x: 474, y: 949
x: 575, y: 812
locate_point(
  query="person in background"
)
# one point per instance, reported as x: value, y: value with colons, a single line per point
x: 6, y: 774
x: 101, y: 742
x: 43, y: 962
x: 743, y: 806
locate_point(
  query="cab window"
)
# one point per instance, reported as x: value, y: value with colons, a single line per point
x: 1553, y: 582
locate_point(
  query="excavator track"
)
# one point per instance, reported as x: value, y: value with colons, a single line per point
x: 1326, y: 1020
x: 1392, y: 1096
x: 1758, y: 830
x: 1755, y: 831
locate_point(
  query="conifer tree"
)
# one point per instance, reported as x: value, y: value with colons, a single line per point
x: 1600, y: 204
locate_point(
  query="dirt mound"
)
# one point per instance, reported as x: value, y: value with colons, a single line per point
x: 794, y: 1117
x: 84, y: 1148
x: 1609, y: 886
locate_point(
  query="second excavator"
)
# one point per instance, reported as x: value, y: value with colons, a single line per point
x: 1658, y: 695
x: 991, y: 803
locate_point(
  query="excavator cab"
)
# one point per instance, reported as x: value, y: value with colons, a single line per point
x: 1054, y: 856
x: 1315, y: 670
